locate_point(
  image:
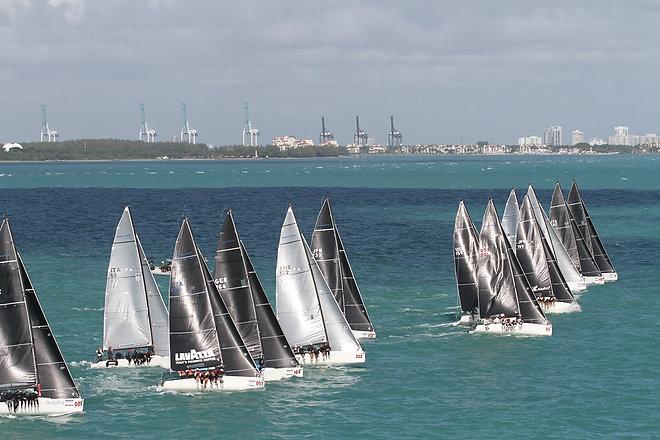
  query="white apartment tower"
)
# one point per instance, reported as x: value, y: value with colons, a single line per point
x: 553, y: 136
x: 577, y: 137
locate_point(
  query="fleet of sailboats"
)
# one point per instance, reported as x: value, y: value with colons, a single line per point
x: 508, y: 280
x: 34, y: 378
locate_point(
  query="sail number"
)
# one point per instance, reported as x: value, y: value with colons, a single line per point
x: 317, y: 252
x: 113, y: 272
x: 284, y: 270
x: 221, y: 282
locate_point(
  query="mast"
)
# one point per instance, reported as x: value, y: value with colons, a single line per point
x: 466, y: 255
x: 510, y: 218
x: 53, y: 374
x: 326, y: 252
x: 277, y: 352
x: 232, y: 282
x: 194, y: 341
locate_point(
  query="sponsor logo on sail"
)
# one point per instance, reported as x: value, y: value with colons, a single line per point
x: 194, y: 355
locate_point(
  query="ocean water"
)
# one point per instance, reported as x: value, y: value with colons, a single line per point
x: 596, y: 377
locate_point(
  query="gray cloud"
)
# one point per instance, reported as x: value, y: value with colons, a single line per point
x: 480, y: 69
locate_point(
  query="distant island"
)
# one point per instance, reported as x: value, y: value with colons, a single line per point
x: 123, y: 149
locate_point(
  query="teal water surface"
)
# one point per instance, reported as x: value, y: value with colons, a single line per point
x: 596, y: 377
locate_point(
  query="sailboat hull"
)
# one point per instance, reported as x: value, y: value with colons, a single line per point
x: 594, y: 280
x: 275, y: 374
x: 560, y: 307
x: 156, y: 361
x: 335, y: 358
x: 158, y: 271
x: 468, y: 319
x: 229, y: 383
x: 47, y: 407
x: 360, y: 334
x: 610, y: 276
x: 527, y: 329
x: 579, y: 286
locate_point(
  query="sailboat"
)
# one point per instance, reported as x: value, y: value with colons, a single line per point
x: 507, y: 304
x: 466, y: 256
x: 578, y: 210
x: 306, y: 309
x: 570, y: 235
x: 135, y: 321
x: 206, y: 349
x: 572, y: 275
x: 242, y: 293
x: 330, y: 255
x: 34, y: 378
x: 510, y: 218
x: 539, y: 265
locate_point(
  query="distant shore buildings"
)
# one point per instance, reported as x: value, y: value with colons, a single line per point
x: 553, y: 137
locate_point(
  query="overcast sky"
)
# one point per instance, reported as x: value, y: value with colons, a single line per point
x: 493, y: 70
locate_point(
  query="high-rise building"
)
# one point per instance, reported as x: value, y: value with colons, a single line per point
x: 552, y: 136
x: 621, y: 136
x: 577, y: 137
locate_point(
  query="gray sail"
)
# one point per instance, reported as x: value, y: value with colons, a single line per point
x: 566, y: 266
x: 194, y: 339
x: 530, y: 252
x: 503, y: 287
x: 160, y: 326
x: 126, y: 314
x: 466, y: 257
x: 54, y: 378
x: 17, y: 359
x: 598, y: 250
x: 510, y: 218
x: 232, y: 281
x: 277, y: 352
x: 354, y: 308
x: 326, y: 252
x: 297, y: 303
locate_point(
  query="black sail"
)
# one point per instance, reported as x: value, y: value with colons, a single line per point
x: 55, y: 380
x: 575, y: 207
x: 193, y: 336
x: 560, y: 219
x: 560, y: 288
x: 531, y: 253
x: 277, y: 352
x: 17, y: 361
x: 466, y: 256
x: 325, y: 249
x: 235, y: 355
x: 232, y: 281
x: 598, y: 250
x: 355, y: 310
x: 503, y: 287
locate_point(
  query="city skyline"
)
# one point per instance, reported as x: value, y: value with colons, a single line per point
x: 475, y: 71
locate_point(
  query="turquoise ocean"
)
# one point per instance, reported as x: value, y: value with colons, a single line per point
x: 596, y: 377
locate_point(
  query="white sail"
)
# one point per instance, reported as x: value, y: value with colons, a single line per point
x: 126, y: 315
x: 160, y: 324
x: 510, y: 218
x: 298, y: 308
x: 564, y: 261
x: 340, y: 335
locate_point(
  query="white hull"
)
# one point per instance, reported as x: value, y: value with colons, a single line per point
x: 157, y: 271
x: 47, y: 407
x: 156, y: 361
x: 579, y: 286
x: 229, y: 383
x: 274, y: 374
x: 335, y: 358
x: 610, y: 276
x: 525, y: 328
x: 360, y: 334
x: 594, y: 280
x: 560, y: 307
x: 469, y: 320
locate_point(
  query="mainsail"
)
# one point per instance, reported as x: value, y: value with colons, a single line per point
x: 566, y: 266
x: 126, y: 322
x: 17, y: 358
x: 503, y: 288
x: 579, y: 211
x: 232, y: 281
x: 510, y: 218
x: 194, y: 339
x: 466, y: 256
x: 277, y: 352
x: 54, y: 378
x: 530, y: 252
x: 326, y: 252
x: 570, y: 235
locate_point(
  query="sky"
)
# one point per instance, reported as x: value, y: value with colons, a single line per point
x: 447, y: 70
